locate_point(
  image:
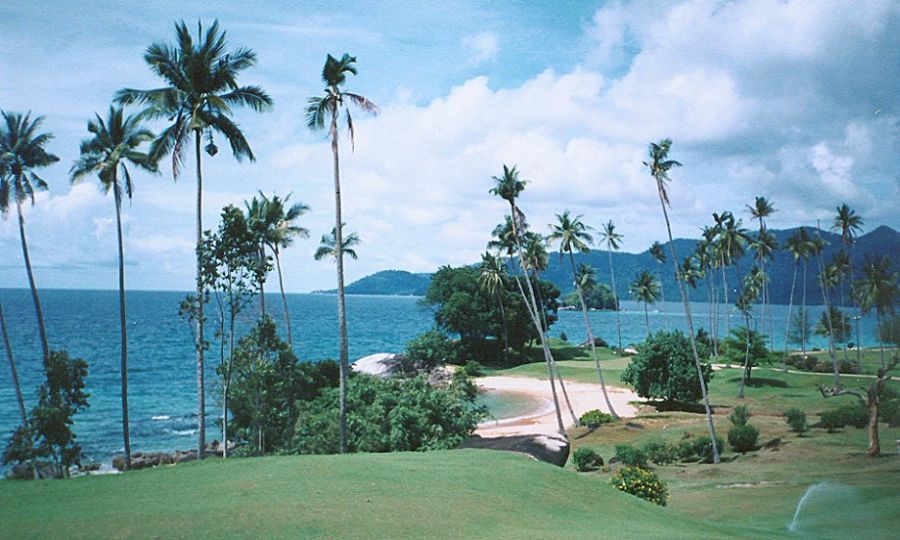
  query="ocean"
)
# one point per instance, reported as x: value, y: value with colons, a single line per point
x: 162, y: 369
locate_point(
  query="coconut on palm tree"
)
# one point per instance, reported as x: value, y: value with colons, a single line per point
x: 200, y: 91
x: 22, y: 152
x: 115, y: 143
x: 659, y: 165
x: 321, y: 110
x: 612, y: 240
x: 572, y: 234
x: 645, y: 288
x: 273, y: 222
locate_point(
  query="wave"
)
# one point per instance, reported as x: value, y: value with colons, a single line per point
x: 181, y: 432
x: 161, y: 417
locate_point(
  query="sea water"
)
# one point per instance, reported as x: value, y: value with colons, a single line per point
x: 162, y: 363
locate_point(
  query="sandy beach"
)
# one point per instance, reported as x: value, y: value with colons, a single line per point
x: 583, y: 396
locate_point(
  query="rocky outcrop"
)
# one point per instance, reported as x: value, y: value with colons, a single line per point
x: 380, y: 364
x: 143, y: 460
x: 548, y: 448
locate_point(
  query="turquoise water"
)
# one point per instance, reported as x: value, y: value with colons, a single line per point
x: 508, y: 404
x: 162, y: 373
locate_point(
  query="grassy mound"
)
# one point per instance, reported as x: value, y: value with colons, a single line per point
x: 453, y: 494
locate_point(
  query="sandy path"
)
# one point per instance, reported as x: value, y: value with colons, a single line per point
x: 584, y: 397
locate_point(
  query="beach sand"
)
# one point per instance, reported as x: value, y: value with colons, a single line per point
x: 584, y: 397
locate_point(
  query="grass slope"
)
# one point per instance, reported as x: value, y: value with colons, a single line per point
x: 452, y: 494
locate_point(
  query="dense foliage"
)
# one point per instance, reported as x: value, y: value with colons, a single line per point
x: 586, y: 459
x: 664, y: 369
x: 390, y: 415
x: 743, y: 438
x: 599, y: 296
x: 424, y: 353
x: 734, y: 349
x: 796, y: 420
x: 631, y: 456
x: 641, y: 483
x: 48, y: 438
x: 462, y: 307
x: 595, y: 417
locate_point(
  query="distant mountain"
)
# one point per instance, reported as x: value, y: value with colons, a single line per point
x: 880, y: 241
x: 389, y: 283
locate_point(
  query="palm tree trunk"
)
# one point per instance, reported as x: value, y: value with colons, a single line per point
x: 12, y: 368
x: 344, y: 362
x: 874, y: 449
x: 287, y: 315
x: 878, y: 333
x: 646, y: 318
x: 42, y: 331
x: 662, y: 294
x: 746, y: 361
x: 505, y: 330
x: 787, y: 325
x: 562, y: 384
x: 831, y: 347
x: 262, y: 281
x: 727, y: 307
x: 805, y: 316
x: 200, y: 345
x: 687, y: 313
x: 123, y: 327
x: 712, y: 326
x: 612, y: 279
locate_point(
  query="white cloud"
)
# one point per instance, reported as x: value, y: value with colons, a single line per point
x: 481, y: 47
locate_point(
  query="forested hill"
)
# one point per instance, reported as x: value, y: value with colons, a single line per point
x: 881, y: 241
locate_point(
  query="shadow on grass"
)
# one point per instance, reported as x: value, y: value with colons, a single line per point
x: 679, y: 406
x: 760, y: 382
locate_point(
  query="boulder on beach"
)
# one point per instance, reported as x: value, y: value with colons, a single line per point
x: 143, y: 460
x: 379, y: 364
x: 541, y: 447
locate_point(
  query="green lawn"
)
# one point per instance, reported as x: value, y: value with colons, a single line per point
x: 450, y: 494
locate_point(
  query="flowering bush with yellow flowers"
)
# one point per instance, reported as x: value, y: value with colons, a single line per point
x: 642, y: 483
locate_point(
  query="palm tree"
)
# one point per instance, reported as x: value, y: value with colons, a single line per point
x: 609, y: 236
x: 659, y: 255
x: 322, y: 108
x: 659, y: 166
x: 201, y: 89
x: 799, y: 247
x: 849, y: 224
x: 327, y: 245
x: 760, y: 210
x: 21, y: 153
x: 877, y: 290
x: 114, y: 145
x: 646, y: 289
x: 508, y: 187
x: 257, y: 223
x: 275, y: 223
x: 705, y: 254
x: 817, y: 244
x: 12, y: 368
x: 572, y: 234
x: 493, y: 282
x: 732, y: 238
x: 750, y: 288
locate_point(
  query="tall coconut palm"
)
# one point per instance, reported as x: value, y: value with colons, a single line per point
x: 274, y: 222
x: 115, y: 143
x: 707, y: 258
x: 327, y: 245
x: 612, y: 239
x: 760, y: 210
x: 659, y: 255
x: 731, y: 242
x: 849, y: 224
x: 877, y: 290
x: 799, y: 247
x: 200, y: 91
x: 659, y: 165
x: 492, y: 281
x: 839, y: 271
x: 12, y: 369
x: 572, y: 234
x: 22, y: 152
x: 508, y: 187
x: 751, y: 287
x: 322, y: 109
x: 817, y: 245
x: 646, y: 289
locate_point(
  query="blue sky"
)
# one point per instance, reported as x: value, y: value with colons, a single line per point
x: 796, y: 101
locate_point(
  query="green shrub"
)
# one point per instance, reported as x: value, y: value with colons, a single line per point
x: 739, y: 415
x: 796, y: 420
x: 664, y: 369
x: 703, y: 447
x: 585, y: 459
x: 889, y: 412
x: 832, y: 420
x: 742, y: 438
x: 595, y: 418
x: 661, y: 453
x: 473, y: 368
x: 855, y: 414
x: 685, y: 449
x: 631, y: 456
x: 641, y: 483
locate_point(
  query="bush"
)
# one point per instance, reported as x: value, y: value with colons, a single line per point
x: 685, y: 449
x: 473, y: 368
x: 664, y: 369
x: 641, y: 483
x: 631, y: 456
x: 889, y: 412
x: 585, y: 459
x: 742, y: 438
x: 796, y: 420
x: 832, y: 420
x: 595, y: 418
x: 739, y: 415
x: 428, y: 351
x: 855, y: 414
x: 703, y: 447
x: 661, y: 453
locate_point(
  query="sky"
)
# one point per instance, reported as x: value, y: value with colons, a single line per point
x: 794, y: 101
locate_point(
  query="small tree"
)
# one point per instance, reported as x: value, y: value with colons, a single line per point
x: 735, y: 349
x: 664, y: 369
x: 800, y: 328
x: 49, y: 435
x: 796, y: 420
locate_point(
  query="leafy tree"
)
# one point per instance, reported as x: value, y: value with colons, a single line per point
x: 800, y: 328
x: 327, y: 108
x: 48, y: 434
x: 796, y: 420
x: 646, y: 289
x: 659, y: 165
x: 663, y: 369
x: 22, y: 152
x: 390, y: 415
x: 596, y: 296
x: 735, y: 349
x: 115, y: 143
x: 837, y: 325
x: 427, y: 351
x: 200, y: 91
